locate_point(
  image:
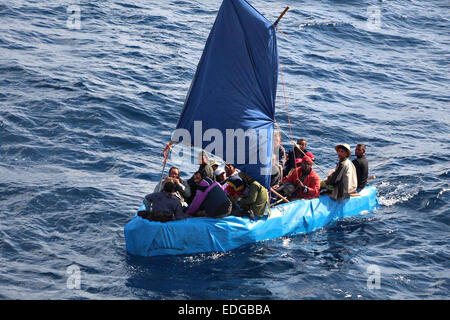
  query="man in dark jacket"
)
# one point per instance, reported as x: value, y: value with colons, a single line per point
x: 361, y: 165
x: 163, y: 206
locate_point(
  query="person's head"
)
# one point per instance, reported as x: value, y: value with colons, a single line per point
x: 220, y: 175
x: 202, y: 157
x: 302, y: 144
x: 360, y: 149
x: 174, y: 172
x: 198, y: 177
x: 343, y: 151
x: 306, y: 164
x: 169, y: 187
x: 229, y: 169
x: 214, y: 165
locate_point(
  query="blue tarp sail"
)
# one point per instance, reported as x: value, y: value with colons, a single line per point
x: 234, y: 89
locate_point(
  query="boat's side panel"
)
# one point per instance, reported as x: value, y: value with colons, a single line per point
x: 148, y: 238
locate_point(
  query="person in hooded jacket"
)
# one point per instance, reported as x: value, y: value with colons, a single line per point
x: 256, y: 198
x: 298, y: 152
x: 210, y: 200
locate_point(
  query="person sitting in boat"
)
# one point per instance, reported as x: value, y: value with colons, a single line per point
x: 277, y: 171
x: 343, y: 179
x: 220, y: 176
x: 204, y: 166
x: 362, y: 166
x: 284, y: 187
x: 279, y: 150
x: 163, y: 206
x: 214, y: 165
x: 210, y: 200
x: 234, y: 185
x: 183, y: 191
x: 231, y: 171
x: 206, y: 170
x: 304, y: 179
x: 298, y: 152
x: 255, y: 199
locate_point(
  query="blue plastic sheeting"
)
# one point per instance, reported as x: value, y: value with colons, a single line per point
x: 194, y: 235
x: 234, y: 88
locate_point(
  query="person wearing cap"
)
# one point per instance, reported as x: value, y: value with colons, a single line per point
x: 361, y: 165
x: 234, y: 186
x: 220, y: 175
x: 343, y: 179
x: 298, y: 152
x: 304, y: 179
x: 214, y: 165
x: 311, y: 155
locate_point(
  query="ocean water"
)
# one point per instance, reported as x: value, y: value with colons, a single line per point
x: 90, y: 92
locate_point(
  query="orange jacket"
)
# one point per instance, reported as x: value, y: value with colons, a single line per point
x: 312, y: 181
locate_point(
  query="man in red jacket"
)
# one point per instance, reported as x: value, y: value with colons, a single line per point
x: 305, y: 180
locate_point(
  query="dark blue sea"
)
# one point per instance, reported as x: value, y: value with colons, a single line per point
x: 90, y: 92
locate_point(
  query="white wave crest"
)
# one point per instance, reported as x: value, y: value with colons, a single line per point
x: 396, y: 193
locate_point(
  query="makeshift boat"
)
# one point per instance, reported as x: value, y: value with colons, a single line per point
x: 195, y: 235
x: 234, y: 90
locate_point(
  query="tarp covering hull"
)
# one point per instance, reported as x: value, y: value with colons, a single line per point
x: 195, y: 235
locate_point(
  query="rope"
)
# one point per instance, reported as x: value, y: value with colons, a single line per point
x: 285, y: 99
x: 287, y: 113
x: 288, y: 116
x: 296, y: 145
x: 284, y: 34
